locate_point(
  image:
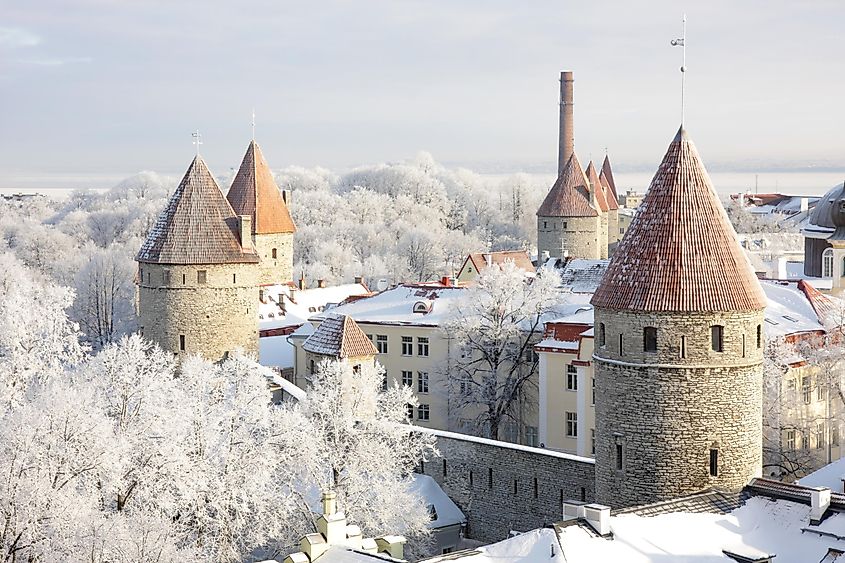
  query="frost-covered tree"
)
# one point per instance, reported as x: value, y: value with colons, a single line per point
x: 495, y: 326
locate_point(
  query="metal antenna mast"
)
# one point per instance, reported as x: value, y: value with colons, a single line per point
x: 197, y: 140
x: 682, y: 43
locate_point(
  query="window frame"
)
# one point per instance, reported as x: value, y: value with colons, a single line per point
x: 571, y: 378
x: 717, y: 338
x: 827, y: 262
x: 408, y: 378
x: 423, y: 346
x: 407, y: 345
x: 422, y: 382
x: 571, y: 428
x: 381, y: 343
x: 424, y: 412
x: 650, y: 339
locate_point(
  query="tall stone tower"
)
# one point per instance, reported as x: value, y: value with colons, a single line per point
x: 679, y: 347
x: 198, y: 273
x: 613, y: 236
x: 569, y: 219
x: 254, y: 193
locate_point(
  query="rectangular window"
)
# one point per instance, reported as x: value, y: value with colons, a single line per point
x: 407, y: 346
x: 572, y: 425
x: 202, y: 276
x: 820, y: 435
x: 759, y: 336
x: 182, y: 342
x: 602, y: 335
x: 166, y: 277
x: 274, y: 253
x: 683, y: 347
x: 714, y: 463
x: 531, y: 436
x: 621, y: 353
x: 593, y: 441
x: 423, y: 412
x: 805, y: 441
x: 408, y: 378
x: 593, y: 394
x: 422, y: 346
x: 649, y: 339
x: 571, y: 378
x: 489, y: 477
x: 717, y: 338
x: 422, y: 381
x: 234, y: 278
x: 743, y: 345
x: 410, y: 411
x: 806, y: 389
x: 184, y: 279
x: 381, y: 343
x: 619, y: 459
x: 790, y: 440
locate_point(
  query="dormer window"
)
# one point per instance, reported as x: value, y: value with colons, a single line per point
x: 422, y: 307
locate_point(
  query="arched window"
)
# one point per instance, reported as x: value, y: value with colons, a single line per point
x: 650, y: 339
x: 827, y: 263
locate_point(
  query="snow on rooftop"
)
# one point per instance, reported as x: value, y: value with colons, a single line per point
x: 500, y: 444
x: 301, y: 304
x: 829, y: 476
x: 275, y: 351
x: 535, y: 546
x: 788, y: 311
x: 557, y: 344
x: 447, y: 512
x: 761, y: 526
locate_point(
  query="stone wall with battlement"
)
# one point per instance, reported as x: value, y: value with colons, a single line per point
x: 215, y: 312
x: 276, y: 270
x: 502, y: 486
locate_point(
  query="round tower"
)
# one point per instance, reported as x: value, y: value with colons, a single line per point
x: 679, y: 347
x: 254, y: 193
x: 197, y: 282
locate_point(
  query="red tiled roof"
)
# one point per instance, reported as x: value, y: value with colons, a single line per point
x: 565, y: 332
x: 608, y: 172
x: 595, y: 185
x: 569, y: 196
x: 254, y: 192
x: 340, y: 336
x: 519, y: 257
x: 612, y: 204
x: 680, y: 252
x: 822, y: 305
x: 197, y: 227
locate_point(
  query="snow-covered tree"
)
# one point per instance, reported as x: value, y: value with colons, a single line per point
x: 495, y: 326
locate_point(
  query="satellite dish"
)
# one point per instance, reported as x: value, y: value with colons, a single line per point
x: 382, y: 284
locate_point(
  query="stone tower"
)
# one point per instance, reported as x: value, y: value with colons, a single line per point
x: 679, y: 347
x: 569, y: 221
x: 198, y: 273
x: 613, y: 236
x: 254, y: 192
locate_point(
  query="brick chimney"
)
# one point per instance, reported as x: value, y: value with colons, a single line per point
x: 566, y: 142
x: 245, y: 224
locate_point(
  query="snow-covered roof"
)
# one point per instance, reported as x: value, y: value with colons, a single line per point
x: 446, y: 512
x: 275, y: 351
x: 578, y: 275
x: 290, y: 388
x: 298, y: 305
x: 508, y: 445
x: 396, y: 306
x: 535, y: 546
x: 558, y: 344
x: 341, y: 554
x: 341, y: 337
x: 830, y: 476
x: 788, y: 310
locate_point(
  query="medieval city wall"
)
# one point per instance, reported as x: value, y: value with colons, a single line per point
x: 502, y: 487
x: 274, y: 270
x: 580, y: 237
x: 668, y: 410
x: 215, y: 317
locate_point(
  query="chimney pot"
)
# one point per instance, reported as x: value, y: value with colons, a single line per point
x: 819, y: 503
x: 321, y: 283
x: 245, y: 224
x: 446, y: 281
x: 359, y: 279
x: 302, y: 282
x: 329, y: 502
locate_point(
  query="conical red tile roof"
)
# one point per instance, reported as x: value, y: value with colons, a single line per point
x: 608, y: 172
x: 254, y: 192
x: 569, y: 196
x: 595, y: 185
x: 197, y: 227
x: 680, y: 253
x: 340, y: 336
x: 612, y: 203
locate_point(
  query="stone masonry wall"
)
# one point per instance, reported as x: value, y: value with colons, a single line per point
x: 668, y: 411
x: 502, y: 487
x: 215, y: 317
x: 280, y: 269
x: 580, y: 238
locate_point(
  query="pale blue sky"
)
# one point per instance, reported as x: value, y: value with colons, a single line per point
x: 109, y: 87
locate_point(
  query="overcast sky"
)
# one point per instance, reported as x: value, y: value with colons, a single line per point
x: 99, y: 87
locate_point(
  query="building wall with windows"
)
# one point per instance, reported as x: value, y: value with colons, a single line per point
x: 276, y: 254
x: 204, y: 309
x: 579, y: 237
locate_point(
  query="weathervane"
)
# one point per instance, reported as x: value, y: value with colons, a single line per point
x: 197, y: 140
x: 682, y: 43
x: 253, y: 124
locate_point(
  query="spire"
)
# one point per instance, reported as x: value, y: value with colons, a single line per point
x: 569, y: 196
x: 680, y: 253
x: 608, y: 173
x: 612, y: 203
x: 254, y: 192
x: 197, y: 227
x: 596, y: 187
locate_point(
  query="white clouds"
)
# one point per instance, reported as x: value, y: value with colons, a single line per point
x: 17, y: 37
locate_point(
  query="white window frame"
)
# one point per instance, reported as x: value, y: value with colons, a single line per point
x: 827, y: 263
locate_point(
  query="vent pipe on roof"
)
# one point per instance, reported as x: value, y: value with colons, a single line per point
x: 566, y: 142
x: 819, y: 503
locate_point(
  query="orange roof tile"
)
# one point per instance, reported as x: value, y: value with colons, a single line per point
x: 254, y: 192
x: 680, y: 252
x: 612, y: 204
x: 595, y: 185
x: 197, y: 227
x: 608, y: 171
x: 569, y: 196
x: 339, y: 336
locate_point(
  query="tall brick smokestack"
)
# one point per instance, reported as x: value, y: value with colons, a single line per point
x: 566, y: 143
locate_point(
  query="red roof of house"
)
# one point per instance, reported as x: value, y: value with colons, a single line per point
x: 565, y: 332
x: 612, y: 204
x: 254, y: 192
x: 680, y: 252
x: 608, y: 171
x: 520, y: 259
x: 340, y: 336
x: 569, y: 196
x: 595, y: 185
x: 197, y: 227
x: 824, y: 308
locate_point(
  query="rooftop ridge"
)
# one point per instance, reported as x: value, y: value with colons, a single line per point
x: 680, y: 253
x: 569, y: 196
